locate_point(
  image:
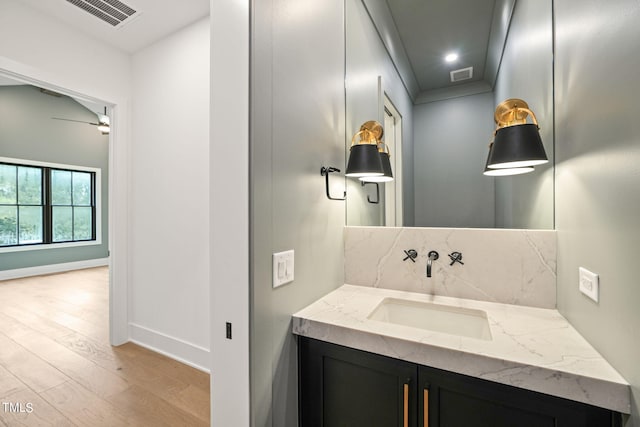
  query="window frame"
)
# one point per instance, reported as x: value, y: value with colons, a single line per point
x: 18, y: 205
x: 96, y: 206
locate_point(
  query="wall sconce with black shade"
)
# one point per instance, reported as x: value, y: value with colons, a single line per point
x: 385, y: 158
x: 369, y: 160
x: 517, y: 144
x: 504, y: 171
x: 364, y: 158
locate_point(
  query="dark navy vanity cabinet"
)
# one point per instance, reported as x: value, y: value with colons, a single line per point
x: 341, y: 386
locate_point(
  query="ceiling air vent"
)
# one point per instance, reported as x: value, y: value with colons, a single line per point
x: 461, y: 74
x: 113, y: 12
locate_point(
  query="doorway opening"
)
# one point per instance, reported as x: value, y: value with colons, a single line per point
x: 79, y: 234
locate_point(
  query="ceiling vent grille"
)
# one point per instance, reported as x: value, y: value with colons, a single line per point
x: 461, y: 74
x: 113, y: 12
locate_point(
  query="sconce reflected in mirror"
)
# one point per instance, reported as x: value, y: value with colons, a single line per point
x: 517, y: 144
x: 364, y: 158
x: 385, y: 158
x: 369, y: 160
x: 504, y: 171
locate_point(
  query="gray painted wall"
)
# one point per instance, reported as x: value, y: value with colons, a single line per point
x: 449, y: 151
x: 366, y: 60
x: 598, y: 175
x: 451, y: 139
x: 526, y: 72
x: 297, y: 126
x: 502, y: 12
x: 28, y: 132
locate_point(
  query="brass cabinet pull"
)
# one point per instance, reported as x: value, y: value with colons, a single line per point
x: 406, y: 405
x: 426, y: 407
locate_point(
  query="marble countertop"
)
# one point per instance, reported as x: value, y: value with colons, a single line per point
x: 531, y: 348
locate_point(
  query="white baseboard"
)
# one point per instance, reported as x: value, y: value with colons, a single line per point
x: 18, y: 273
x: 175, y: 348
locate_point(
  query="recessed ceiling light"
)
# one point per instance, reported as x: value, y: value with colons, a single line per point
x: 451, y: 57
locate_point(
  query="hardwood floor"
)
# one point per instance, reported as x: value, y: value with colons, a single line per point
x: 58, y: 369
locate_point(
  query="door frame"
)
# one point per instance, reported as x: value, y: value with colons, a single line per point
x: 118, y: 184
x: 393, y: 189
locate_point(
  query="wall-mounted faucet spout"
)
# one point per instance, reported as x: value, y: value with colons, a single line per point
x: 432, y: 256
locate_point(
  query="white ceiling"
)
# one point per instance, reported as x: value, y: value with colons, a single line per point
x: 158, y: 18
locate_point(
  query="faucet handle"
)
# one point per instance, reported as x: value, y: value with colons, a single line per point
x: 456, y: 257
x: 412, y: 254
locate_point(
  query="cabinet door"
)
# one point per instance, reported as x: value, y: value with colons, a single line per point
x: 454, y: 400
x: 345, y: 387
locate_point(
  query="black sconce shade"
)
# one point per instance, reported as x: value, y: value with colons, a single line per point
x: 504, y: 171
x: 517, y: 146
x: 364, y: 161
x: 386, y: 167
x: 508, y: 171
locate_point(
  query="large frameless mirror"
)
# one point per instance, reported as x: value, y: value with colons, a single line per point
x: 438, y: 115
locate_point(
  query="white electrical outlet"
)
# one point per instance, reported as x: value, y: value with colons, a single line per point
x: 283, y: 263
x: 589, y: 283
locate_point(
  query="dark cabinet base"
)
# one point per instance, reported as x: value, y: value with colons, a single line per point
x: 343, y: 387
x: 340, y: 386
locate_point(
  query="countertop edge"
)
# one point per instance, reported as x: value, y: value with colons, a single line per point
x: 598, y: 392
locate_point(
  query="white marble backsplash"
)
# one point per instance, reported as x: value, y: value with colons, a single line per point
x: 506, y: 266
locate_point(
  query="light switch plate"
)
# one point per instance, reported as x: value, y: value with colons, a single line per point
x: 283, y: 263
x: 589, y: 283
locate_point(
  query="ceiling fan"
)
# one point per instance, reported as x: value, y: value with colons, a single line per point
x: 103, y: 122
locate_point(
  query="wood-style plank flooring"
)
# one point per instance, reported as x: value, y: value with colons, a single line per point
x: 58, y: 369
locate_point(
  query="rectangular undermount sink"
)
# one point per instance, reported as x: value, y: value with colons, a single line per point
x: 451, y: 320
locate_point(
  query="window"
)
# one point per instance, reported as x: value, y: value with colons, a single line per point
x: 71, y: 205
x: 43, y: 205
x: 21, y: 205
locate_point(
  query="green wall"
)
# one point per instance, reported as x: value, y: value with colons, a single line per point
x: 28, y: 132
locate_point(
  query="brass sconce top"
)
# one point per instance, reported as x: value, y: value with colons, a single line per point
x: 370, y: 132
x: 513, y: 112
x: 369, y: 157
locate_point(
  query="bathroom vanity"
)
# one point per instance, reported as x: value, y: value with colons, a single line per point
x: 342, y: 386
x: 367, y: 358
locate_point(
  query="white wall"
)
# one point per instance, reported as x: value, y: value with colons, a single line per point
x: 169, y: 305
x: 229, y: 254
x: 62, y: 55
x: 54, y: 55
